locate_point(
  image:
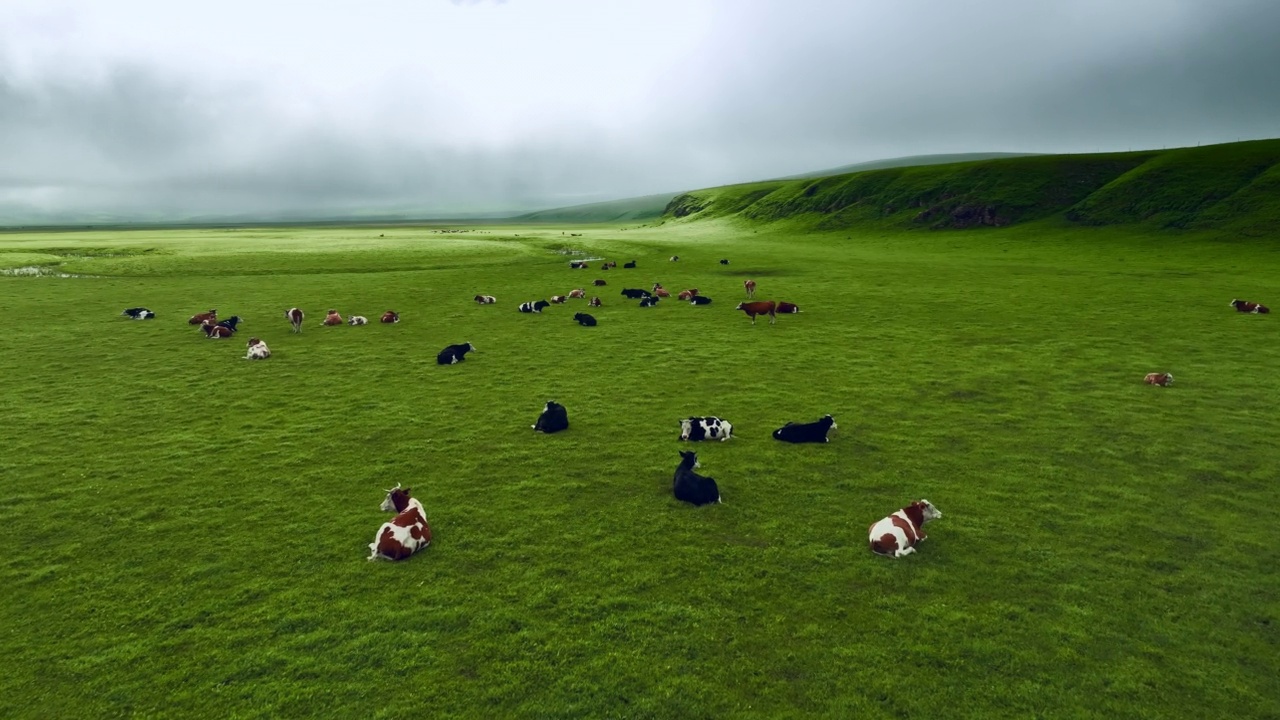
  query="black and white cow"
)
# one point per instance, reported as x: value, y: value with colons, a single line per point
x: 724, y: 262
x: 634, y: 293
x: 231, y: 322
x: 648, y: 302
x: 584, y: 319
x: 705, y: 428
x: 554, y: 418
x: 139, y: 313
x: 689, y: 486
x: 814, y: 432
x: 534, y: 307
x: 699, y: 300
x: 454, y: 354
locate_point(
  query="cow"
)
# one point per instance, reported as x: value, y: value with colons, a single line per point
x: 199, y: 319
x: 699, y: 300
x: 705, y: 428
x: 724, y: 262
x: 558, y: 299
x: 1245, y: 306
x: 575, y: 265
x: 139, y: 313
x: 486, y: 299
x: 629, y: 265
x: 454, y: 354
x: 635, y: 293
x: 786, y: 308
x: 407, y: 533
x: 215, y: 332
x: 1161, y: 379
x: 814, y: 432
x: 684, y: 295
x: 760, y: 307
x: 594, y: 301
x: 599, y: 283
x: 577, y: 293
x: 357, y: 320
x: 648, y: 301
x: 232, y: 322
x: 604, y: 266
x: 534, y: 307
x: 333, y: 318
x: 584, y: 319
x: 390, y: 317
x: 294, y: 316
x: 750, y: 286
x: 675, y: 258
x: 899, y: 533
x: 612, y: 264
x: 688, y: 486
x: 554, y: 418
x: 662, y: 292
x: 257, y: 350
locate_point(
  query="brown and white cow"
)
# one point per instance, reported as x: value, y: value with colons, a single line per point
x: 786, y: 308
x: 211, y: 316
x: 1161, y: 379
x: 759, y: 307
x: 333, y: 318
x: 486, y: 299
x: 294, y: 316
x: 215, y: 332
x: 662, y: 292
x: 390, y: 317
x: 684, y: 295
x: 407, y: 533
x: 577, y: 293
x: 558, y: 299
x: 1245, y: 306
x: 899, y: 533
x: 750, y: 285
x: 257, y: 350
x: 594, y: 301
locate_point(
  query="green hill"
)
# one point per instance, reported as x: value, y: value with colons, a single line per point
x: 649, y: 207
x: 909, y: 161
x: 1234, y: 186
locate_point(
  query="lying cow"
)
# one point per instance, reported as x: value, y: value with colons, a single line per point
x: 1245, y: 306
x: 139, y: 313
x: 294, y: 316
x: 786, y: 308
x: 257, y: 350
x: 629, y: 265
x: 332, y: 318
x: 215, y: 332
x: 577, y: 293
x: 634, y: 293
x: 705, y: 428
x: 534, y: 307
x: 407, y: 533
x: 699, y: 300
x: 662, y: 292
x: 814, y: 432
x: 558, y: 299
x: 599, y: 283
x: 390, y: 317
x: 648, y: 301
x: 594, y: 301
x: 1161, y: 379
x: 231, y: 322
x: 760, y: 307
x: 688, y: 486
x: 357, y: 320
x: 675, y: 258
x: 454, y: 354
x: 486, y: 299
x: 584, y: 319
x: 554, y: 418
x: 724, y: 262
x: 211, y: 316
x: 899, y: 533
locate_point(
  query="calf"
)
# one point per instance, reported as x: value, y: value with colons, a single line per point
x: 750, y: 286
x: 407, y: 533
x: 486, y: 299
x: 534, y: 307
x: 633, y: 293
x: 577, y: 293
x: 814, y: 432
x: 294, y: 316
x: 215, y: 332
x: 629, y: 265
x: 333, y: 318
x: 232, y: 322
x: 257, y: 350
x: 211, y: 316
x: 599, y: 283
x: 705, y: 428
x: 357, y: 320
x: 760, y: 307
x: 699, y: 300
x: 899, y: 533
x: 390, y: 317
x: 1161, y: 379
x: 648, y: 301
x: 554, y: 418
x: 688, y: 486
x: 139, y: 313
x: 594, y: 302
x: 584, y: 319
x: 1245, y: 306
x: 786, y: 308
x: 558, y: 299
x: 454, y: 354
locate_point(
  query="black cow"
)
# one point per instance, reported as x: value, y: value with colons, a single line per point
x: 649, y: 301
x: 584, y: 319
x: 814, y: 432
x: 724, y: 262
x: 139, y: 313
x: 534, y: 307
x: 634, y: 293
x: 699, y: 300
x: 231, y: 322
x: 454, y: 354
x: 554, y: 418
x: 629, y: 265
x: 691, y: 487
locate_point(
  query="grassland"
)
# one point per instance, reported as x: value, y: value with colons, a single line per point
x: 183, y: 533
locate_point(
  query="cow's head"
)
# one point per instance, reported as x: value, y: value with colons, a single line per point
x: 686, y: 427
x: 927, y: 510
x: 690, y: 458
x: 541, y: 304
x: 397, y: 499
x: 829, y: 421
x: 253, y: 341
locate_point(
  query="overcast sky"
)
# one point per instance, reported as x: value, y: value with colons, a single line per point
x: 151, y: 109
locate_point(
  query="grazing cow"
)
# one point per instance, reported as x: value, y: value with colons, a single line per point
x: 454, y: 354
x: 211, y: 316
x: 215, y: 332
x: 486, y: 299
x: 407, y: 533
x: 705, y: 428
x: 558, y: 299
x: 786, y: 308
x: 594, y: 301
x: 232, y: 322
x: 534, y: 307
x: 584, y: 319
x: 899, y: 533
x: 675, y: 258
x: 629, y: 265
x: 1245, y: 306
x: 688, y: 486
x: 139, y: 313
x: 724, y: 262
x: 634, y: 293
x: 760, y: 307
x: 390, y: 317
x: 554, y: 418
x: 648, y: 301
x: 814, y: 432
x: 699, y: 300
x: 577, y: 293
x: 357, y: 320
x: 1161, y: 379
x: 333, y: 318
x: 599, y: 283
x: 662, y: 292
x: 750, y: 285
x: 294, y: 316
x: 257, y: 350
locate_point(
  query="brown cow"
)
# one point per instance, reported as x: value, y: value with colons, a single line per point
x: 750, y: 285
x: 577, y: 293
x: 333, y: 318
x: 595, y: 301
x: 214, y: 332
x: 1161, y: 379
x: 390, y: 317
x: 211, y: 316
x: 760, y: 307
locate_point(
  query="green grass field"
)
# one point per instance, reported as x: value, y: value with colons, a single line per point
x: 184, y: 532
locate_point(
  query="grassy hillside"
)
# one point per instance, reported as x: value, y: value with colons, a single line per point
x: 908, y: 161
x: 1231, y: 187
x: 648, y: 207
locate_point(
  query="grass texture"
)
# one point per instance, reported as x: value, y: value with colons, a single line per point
x: 184, y: 533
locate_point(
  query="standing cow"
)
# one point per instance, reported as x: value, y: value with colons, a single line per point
x: 294, y: 316
x: 750, y: 286
x: 759, y: 307
x: 899, y: 533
